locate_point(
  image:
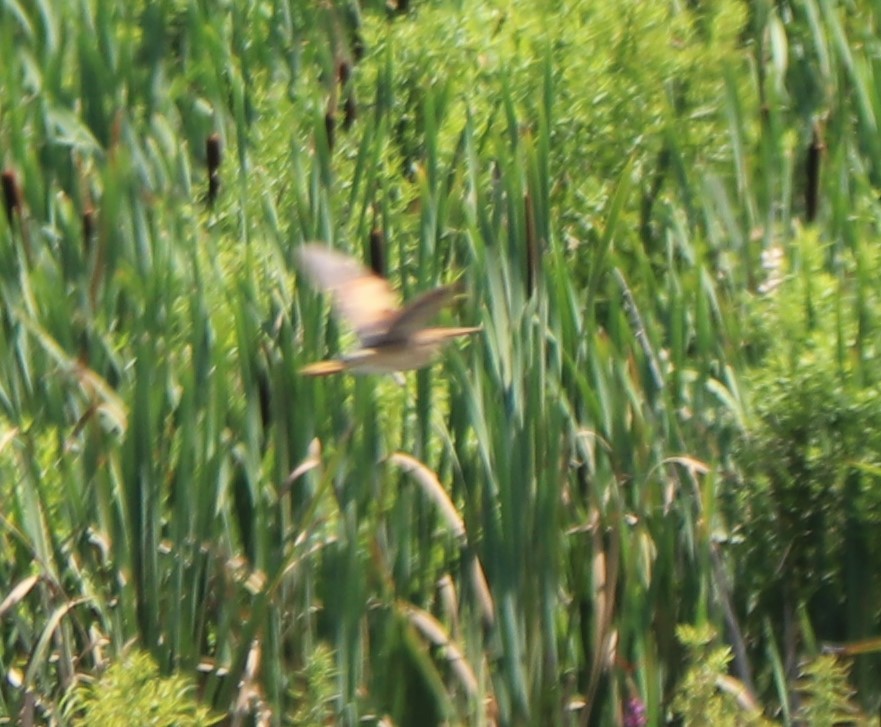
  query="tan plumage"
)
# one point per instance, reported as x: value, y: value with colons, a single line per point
x: 392, y: 338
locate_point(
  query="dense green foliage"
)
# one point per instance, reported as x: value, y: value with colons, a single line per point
x: 665, y: 215
x: 131, y: 691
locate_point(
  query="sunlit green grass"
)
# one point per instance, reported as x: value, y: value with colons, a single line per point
x: 514, y: 535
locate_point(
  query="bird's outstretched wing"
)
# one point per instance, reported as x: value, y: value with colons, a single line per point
x: 364, y: 300
x: 418, y: 313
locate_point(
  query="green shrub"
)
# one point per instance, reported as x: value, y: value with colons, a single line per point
x: 807, y: 507
x: 131, y: 692
x: 826, y: 696
x: 706, y: 694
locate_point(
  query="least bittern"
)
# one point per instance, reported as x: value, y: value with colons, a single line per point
x: 392, y: 339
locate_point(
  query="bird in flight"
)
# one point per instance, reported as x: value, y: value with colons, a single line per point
x: 392, y: 339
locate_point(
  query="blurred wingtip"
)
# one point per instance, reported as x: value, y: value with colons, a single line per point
x: 323, y: 368
x: 306, y: 253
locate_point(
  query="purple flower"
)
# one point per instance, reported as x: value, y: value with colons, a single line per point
x: 634, y: 713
